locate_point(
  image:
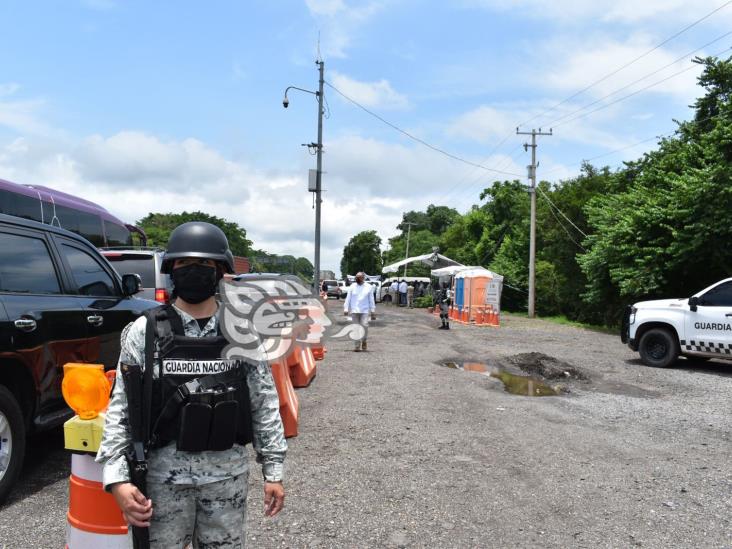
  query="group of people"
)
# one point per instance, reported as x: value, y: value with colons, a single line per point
x: 403, y: 293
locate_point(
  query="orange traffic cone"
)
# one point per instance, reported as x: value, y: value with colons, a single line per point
x: 94, y: 519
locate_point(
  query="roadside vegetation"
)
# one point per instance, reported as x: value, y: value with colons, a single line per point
x: 660, y: 226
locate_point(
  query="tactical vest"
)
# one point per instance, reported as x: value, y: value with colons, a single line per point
x: 200, y: 399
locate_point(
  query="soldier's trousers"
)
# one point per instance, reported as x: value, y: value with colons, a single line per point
x: 208, y: 515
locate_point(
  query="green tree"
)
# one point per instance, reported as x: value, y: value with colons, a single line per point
x: 158, y: 226
x: 668, y: 231
x: 362, y: 253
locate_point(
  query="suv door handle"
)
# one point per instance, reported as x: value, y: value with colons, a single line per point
x: 728, y: 314
x: 95, y: 320
x: 25, y: 324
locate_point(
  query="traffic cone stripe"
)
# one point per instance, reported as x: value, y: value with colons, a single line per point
x: 91, y: 509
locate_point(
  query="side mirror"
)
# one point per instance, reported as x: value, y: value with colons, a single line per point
x: 693, y: 303
x: 131, y: 284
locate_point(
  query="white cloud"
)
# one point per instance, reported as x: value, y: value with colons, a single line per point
x: 370, y: 94
x: 325, y: 7
x: 582, y: 66
x: 339, y: 23
x: 486, y: 124
x: 24, y: 116
x: 367, y: 185
x: 622, y: 11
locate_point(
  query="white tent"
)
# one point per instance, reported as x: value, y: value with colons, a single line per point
x: 431, y: 260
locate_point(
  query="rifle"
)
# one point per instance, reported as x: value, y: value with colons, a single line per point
x: 132, y: 375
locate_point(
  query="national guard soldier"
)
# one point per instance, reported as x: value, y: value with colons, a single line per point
x: 443, y: 300
x: 183, y: 415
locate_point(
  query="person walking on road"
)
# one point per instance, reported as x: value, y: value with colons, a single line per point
x: 403, y: 293
x: 361, y: 305
x: 444, y: 299
x: 194, y: 454
x: 410, y: 295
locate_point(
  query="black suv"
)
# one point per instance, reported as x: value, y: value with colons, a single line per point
x: 60, y: 301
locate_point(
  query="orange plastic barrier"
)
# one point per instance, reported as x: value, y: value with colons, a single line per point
x: 302, y: 366
x: 289, y: 404
x: 94, y: 520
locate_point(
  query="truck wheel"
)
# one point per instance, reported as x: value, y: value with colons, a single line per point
x: 658, y: 348
x: 12, y: 441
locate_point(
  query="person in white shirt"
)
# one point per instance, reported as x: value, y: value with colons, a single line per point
x: 360, y: 303
x: 394, y: 292
x: 403, y: 293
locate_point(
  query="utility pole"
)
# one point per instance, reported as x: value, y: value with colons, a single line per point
x: 532, y: 194
x: 319, y: 171
x: 406, y: 255
x: 319, y: 177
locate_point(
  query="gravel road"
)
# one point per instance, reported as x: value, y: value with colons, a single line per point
x: 397, y: 450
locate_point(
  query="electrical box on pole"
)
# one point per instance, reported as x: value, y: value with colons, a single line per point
x: 312, y: 181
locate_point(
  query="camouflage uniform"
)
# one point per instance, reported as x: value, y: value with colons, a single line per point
x: 205, y: 489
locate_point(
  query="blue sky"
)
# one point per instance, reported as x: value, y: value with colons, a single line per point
x: 166, y: 106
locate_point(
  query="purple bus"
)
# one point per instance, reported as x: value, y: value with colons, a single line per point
x: 69, y: 212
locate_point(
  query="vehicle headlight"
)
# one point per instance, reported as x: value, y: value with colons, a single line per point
x: 633, y: 310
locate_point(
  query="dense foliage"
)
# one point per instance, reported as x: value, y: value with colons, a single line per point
x: 362, y: 253
x: 158, y: 226
x: 660, y: 226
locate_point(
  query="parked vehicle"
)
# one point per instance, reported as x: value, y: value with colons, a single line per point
x: 70, y: 212
x: 331, y: 288
x: 60, y: 302
x: 698, y: 326
x: 145, y: 262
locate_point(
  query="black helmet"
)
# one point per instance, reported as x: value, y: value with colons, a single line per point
x: 198, y: 239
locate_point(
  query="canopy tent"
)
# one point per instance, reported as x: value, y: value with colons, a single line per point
x: 452, y: 270
x: 432, y: 260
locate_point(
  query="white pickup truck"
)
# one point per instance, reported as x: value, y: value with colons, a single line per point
x: 698, y: 326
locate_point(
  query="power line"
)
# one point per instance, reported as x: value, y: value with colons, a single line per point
x: 623, y: 98
x: 655, y: 137
x: 561, y: 212
x: 639, y: 79
x: 417, y: 139
x: 629, y: 63
x: 559, y: 221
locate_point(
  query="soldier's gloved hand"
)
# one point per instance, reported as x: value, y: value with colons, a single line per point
x: 274, y: 498
x: 136, y: 508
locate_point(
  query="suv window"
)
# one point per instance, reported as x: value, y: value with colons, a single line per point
x: 26, y: 266
x: 90, y: 277
x: 141, y: 264
x: 719, y: 296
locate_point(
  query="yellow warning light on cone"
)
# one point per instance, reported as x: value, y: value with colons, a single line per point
x: 85, y: 389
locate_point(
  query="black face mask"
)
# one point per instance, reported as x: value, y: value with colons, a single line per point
x: 194, y: 283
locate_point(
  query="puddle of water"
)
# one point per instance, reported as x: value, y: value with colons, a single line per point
x: 514, y: 384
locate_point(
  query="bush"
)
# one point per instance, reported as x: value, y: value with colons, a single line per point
x: 423, y: 302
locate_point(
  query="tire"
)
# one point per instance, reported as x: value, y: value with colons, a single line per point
x: 658, y: 347
x: 12, y: 441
